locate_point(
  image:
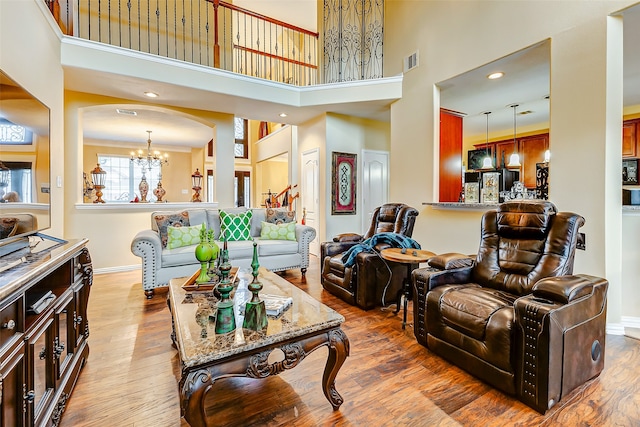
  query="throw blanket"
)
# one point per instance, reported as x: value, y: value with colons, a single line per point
x: 395, y: 240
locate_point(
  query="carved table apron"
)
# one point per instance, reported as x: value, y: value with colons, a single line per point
x: 207, y: 357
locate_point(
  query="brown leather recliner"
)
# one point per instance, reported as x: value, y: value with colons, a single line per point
x: 518, y: 319
x: 364, y: 284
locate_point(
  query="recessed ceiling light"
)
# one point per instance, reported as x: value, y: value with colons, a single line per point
x: 151, y: 94
x: 495, y: 75
x: 283, y: 114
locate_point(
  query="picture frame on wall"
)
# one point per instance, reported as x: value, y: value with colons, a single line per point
x: 343, y: 183
x: 630, y: 171
x: 475, y: 158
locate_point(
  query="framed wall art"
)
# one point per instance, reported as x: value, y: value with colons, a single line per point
x: 475, y: 158
x: 343, y: 184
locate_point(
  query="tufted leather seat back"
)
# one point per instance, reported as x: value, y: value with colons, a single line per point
x: 392, y: 218
x: 523, y: 242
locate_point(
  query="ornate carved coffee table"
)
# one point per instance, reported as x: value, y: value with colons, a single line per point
x: 207, y: 357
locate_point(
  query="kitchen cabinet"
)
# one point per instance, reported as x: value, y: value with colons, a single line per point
x: 630, y: 138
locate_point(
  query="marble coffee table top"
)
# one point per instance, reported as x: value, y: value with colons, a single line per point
x: 194, y: 319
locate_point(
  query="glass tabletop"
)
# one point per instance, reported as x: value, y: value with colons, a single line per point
x: 194, y: 316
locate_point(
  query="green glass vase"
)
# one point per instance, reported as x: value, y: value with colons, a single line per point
x: 204, y: 253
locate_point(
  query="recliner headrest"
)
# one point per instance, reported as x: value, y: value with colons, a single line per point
x: 525, y: 219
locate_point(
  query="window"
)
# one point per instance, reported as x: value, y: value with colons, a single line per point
x: 13, y: 134
x: 123, y: 178
x: 20, y: 181
x: 241, y: 148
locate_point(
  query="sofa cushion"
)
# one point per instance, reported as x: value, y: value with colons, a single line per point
x: 280, y: 216
x: 183, y: 255
x: 276, y: 247
x: 178, y: 219
x: 183, y: 236
x: 241, y: 249
x: 283, y: 231
x: 235, y: 227
x: 468, y: 309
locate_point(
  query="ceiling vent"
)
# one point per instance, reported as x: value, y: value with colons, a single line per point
x: 411, y: 61
x: 126, y: 112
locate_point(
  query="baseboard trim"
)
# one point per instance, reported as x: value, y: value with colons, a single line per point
x: 630, y: 322
x: 615, y: 329
x: 119, y: 269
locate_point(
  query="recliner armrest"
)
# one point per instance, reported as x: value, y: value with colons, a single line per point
x: 446, y: 277
x: 560, y: 337
x: 348, y: 237
x: 334, y: 248
x: 565, y: 289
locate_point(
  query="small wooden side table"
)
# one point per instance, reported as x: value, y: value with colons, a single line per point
x: 412, y: 258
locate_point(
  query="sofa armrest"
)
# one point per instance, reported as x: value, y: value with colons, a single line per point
x: 148, y: 246
x: 304, y: 235
x: 560, y: 337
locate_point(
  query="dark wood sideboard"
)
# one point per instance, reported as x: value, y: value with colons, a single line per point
x: 42, y: 350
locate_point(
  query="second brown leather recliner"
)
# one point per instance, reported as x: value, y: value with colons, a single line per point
x: 364, y: 283
x: 518, y: 318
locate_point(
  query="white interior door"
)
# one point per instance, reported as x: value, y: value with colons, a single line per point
x: 375, y: 183
x: 310, y: 193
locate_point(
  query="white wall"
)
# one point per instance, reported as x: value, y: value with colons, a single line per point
x: 31, y: 57
x: 454, y: 37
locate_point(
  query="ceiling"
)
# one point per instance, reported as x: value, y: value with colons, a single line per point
x: 526, y: 83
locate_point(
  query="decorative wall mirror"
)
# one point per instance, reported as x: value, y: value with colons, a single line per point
x: 24, y: 162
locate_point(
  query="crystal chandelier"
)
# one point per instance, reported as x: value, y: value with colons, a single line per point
x: 151, y: 159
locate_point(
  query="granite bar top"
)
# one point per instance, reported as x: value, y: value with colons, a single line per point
x: 457, y: 205
x: 194, y: 316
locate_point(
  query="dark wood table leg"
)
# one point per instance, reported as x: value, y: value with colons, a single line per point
x: 406, y: 290
x: 338, y: 352
x: 195, y: 384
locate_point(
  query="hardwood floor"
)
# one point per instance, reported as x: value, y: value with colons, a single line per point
x: 389, y: 379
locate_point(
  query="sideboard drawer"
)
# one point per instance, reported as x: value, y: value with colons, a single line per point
x: 11, y: 320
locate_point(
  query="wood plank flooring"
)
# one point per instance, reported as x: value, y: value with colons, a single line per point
x: 389, y: 379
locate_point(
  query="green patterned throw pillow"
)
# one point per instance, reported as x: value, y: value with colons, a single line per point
x: 183, y: 236
x: 180, y: 219
x: 286, y: 231
x: 235, y: 226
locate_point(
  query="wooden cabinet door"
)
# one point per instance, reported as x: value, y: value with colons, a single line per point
x: 450, y: 157
x: 13, y: 381
x: 503, y: 151
x: 531, y: 152
x: 629, y: 134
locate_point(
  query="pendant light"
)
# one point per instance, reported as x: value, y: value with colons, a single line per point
x: 487, y: 162
x: 514, y: 159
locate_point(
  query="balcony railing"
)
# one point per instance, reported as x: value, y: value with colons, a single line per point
x: 206, y: 32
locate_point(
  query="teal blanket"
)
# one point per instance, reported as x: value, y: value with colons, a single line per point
x: 394, y: 240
